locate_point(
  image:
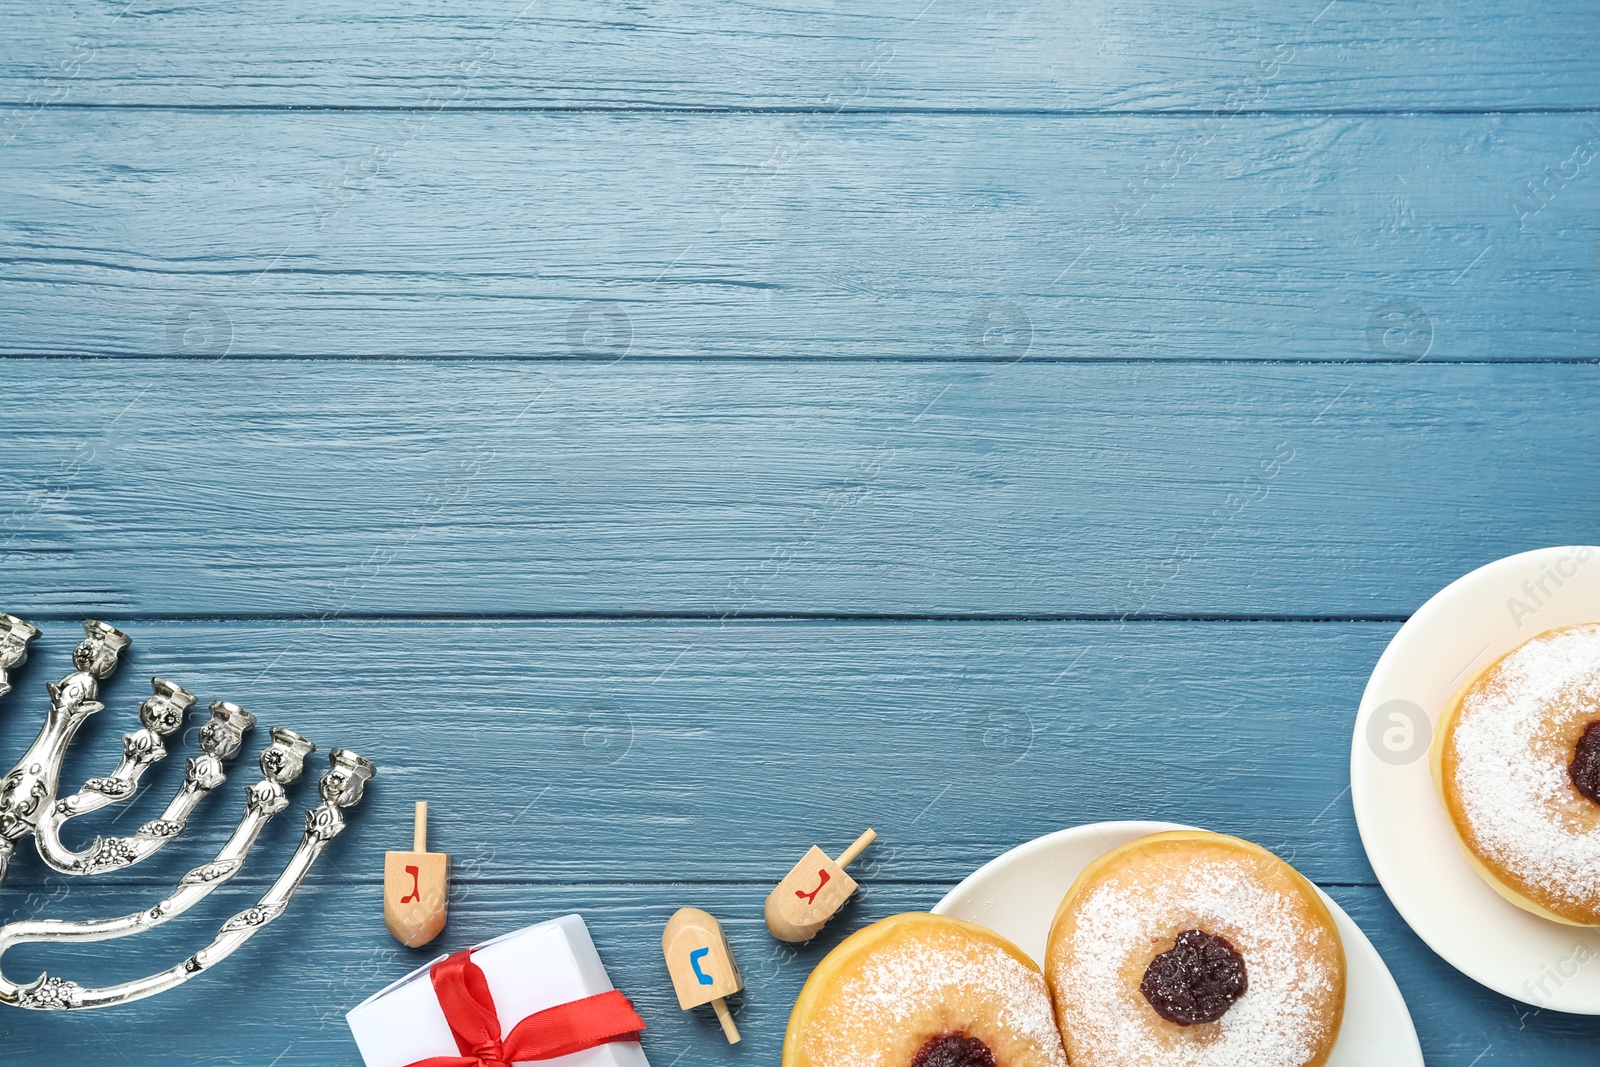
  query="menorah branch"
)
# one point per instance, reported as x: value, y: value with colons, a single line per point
x: 161, y: 714
x: 220, y: 740
x: 341, y: 787
x: 30, y: 789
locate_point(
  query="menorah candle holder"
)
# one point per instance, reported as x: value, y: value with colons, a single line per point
x: 14, y: 637
x: 29, y: 807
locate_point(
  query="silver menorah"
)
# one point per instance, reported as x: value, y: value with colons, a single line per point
x: 29, y: 806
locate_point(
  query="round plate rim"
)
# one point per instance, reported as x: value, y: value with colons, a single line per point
x: 1366, y: 798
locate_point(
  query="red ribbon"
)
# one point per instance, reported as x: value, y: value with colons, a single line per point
x: 463, y: 993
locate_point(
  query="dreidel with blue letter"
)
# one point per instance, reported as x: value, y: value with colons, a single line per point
x: 701, y: 965
x: 810, y: 893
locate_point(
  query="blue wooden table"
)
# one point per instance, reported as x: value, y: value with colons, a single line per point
x: 666, y: 436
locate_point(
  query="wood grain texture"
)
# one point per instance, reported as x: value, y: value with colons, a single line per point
x: 482, y: 415
x: 1032, y: 54
x: 666, y: 751
x: 284, y: 996
x: 336, y: 488
x: 867, y: 237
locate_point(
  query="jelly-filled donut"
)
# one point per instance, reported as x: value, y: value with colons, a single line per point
x: 1193, y: 949
x: 921, y: 990
x: 1516, y: 759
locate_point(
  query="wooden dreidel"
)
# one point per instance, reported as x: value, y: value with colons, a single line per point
x: 415, y: 885
x: 701, y: 965
x: 810, y: 893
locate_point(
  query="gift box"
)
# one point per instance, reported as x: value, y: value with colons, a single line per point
x: 542, y: 988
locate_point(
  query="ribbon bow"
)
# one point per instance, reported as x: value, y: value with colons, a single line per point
x: 463, y: 993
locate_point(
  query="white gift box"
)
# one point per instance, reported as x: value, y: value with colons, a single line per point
x: 527, y: 970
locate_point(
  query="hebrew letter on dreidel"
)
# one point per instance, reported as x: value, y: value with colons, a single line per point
x: 416, y: 892
x: 811, y: 897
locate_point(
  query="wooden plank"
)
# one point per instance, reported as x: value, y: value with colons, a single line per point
x: 599, y: 236
x: 332, y: 488
x: 1094, y: 54
x: 675, y: 743
x: 287, y: 991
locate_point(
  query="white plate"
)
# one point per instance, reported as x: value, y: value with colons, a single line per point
x: 1017, y: 895
x: 1408, y: 836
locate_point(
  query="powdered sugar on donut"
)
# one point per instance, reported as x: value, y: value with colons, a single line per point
x: 1512, y: 783
x: 1281, y: 1021
x: 902, y: 981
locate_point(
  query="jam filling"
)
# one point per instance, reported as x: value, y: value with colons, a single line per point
x: 1584, y: 770
x: 1196, y: 980
x: 953, y: 1050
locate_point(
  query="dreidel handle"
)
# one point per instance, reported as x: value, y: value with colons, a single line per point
x: 725, y: 1017
x: 419, y: 829
x: 857, y: 847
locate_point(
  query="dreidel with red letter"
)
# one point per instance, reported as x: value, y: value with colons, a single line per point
x: 701, y: 965
x: 414, y: 888
x: 809, y: 894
